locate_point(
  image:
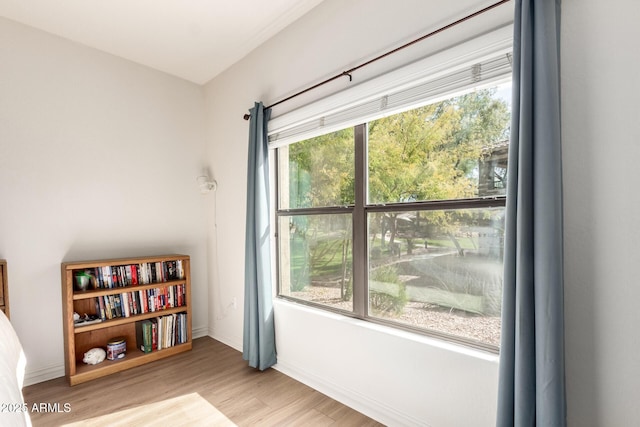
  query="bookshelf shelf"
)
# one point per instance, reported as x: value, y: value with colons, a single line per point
x: 134, y: 358
x: 125, y: 320
x: 80, y: 295
x: 128, y: 292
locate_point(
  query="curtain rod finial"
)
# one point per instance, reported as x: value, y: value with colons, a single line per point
x: 247, y: 116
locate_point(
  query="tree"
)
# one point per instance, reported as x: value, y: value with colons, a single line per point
x: 432, y: 152
x: 321, y: 171
x: 321, y: 174
x: 427, y: 153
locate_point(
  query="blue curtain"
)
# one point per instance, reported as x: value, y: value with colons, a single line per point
x: 259, y: 344
x: 532, y: 379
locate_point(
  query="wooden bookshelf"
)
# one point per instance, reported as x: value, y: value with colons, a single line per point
x: 4, y: 288
x: 149, y: 295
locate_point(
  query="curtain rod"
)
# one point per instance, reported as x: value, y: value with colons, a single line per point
x: 384, y: 55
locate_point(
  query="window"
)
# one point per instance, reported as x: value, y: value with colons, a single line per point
x: 391, y: 195
x: 400, y: 220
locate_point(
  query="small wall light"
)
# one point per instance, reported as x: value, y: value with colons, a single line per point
x: 206, y: 184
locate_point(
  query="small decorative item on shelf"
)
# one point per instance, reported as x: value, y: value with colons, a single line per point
x: 116, y: 348
x: 94, y: 356
x: 83, y: 281
x: 85, y: 320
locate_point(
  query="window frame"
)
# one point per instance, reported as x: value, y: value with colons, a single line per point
x: 360, y: 251
x: 341, y: 111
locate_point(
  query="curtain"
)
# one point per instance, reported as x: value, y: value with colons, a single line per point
x: 259, y: 345
x: 531, y: 387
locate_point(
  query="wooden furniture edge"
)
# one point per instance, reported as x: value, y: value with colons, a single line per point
x: 98, y: 371
x: 5, y: 284
x: 74, y: 265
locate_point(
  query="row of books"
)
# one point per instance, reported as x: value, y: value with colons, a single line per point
x: 116, y: 276
x: 161, y: 332
x: 141, y: 301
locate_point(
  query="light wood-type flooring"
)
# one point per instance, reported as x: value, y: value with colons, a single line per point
x: 213, y: 380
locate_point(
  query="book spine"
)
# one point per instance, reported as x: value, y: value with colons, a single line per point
x: 125, y: 305
x: 143, y: 301
x: 165, y: 272
x: 98, y: 274
x: 117, y: 305
x: 127, y: 272
x: 154, y: 334
x: 179, y: 268
x: 134, y: 302
x: 102, y: 313
x: 147, y: 336
x: 173, y: 329
x: 160, y: 333
x: 106, y: 277
x: 108, y: 307
x: 134, y: 274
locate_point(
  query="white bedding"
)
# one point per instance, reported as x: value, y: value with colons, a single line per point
x: 13, y: 411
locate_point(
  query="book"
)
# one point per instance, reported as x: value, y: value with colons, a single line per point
x: 108, y: 306
x: 101, y: 310
x: 144, y: 303
x: 117, y: 305
x: 127, y: 269
x: 106, y: 277
x: 179, y: 269
x: 134, y: 274
x: 143, y: 336
x: 124, y: 298
x: 154, y: 334
x: 160, y: 332
x: 98, y: 275
x: 171, y: 270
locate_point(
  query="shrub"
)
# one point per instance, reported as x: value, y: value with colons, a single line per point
x: 387, y: 294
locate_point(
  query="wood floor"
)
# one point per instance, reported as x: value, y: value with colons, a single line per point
x: 216, y: 372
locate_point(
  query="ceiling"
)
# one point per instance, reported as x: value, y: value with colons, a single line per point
x: 191, y: 39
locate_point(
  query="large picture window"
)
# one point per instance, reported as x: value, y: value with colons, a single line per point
x: 400, y: 220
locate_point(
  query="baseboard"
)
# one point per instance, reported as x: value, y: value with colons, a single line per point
x: 200, y: 332
x: 234, y: 343
x: 379, y: 411
x: 43, y: 374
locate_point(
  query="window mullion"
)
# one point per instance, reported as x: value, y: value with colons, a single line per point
x: 360, y: 291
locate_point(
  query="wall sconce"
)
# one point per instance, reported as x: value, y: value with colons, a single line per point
x: 206, y: 184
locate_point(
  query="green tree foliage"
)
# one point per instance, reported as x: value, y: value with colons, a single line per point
x: 432, y: 152
x: 321, y: 171
x: 428, y: 153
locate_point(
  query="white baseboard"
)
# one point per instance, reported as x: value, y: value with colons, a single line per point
x: 235, y: 343
x: 379, y: 411
x: 34, y: 376
x: 200, y: 332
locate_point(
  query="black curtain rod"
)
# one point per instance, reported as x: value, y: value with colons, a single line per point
x: 384, y: 55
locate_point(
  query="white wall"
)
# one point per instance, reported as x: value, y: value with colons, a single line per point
x: 98, y: 158
x: 398, y: 378
x: 93, y: 149
x: 601, y: 148
x: 600, y: 151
